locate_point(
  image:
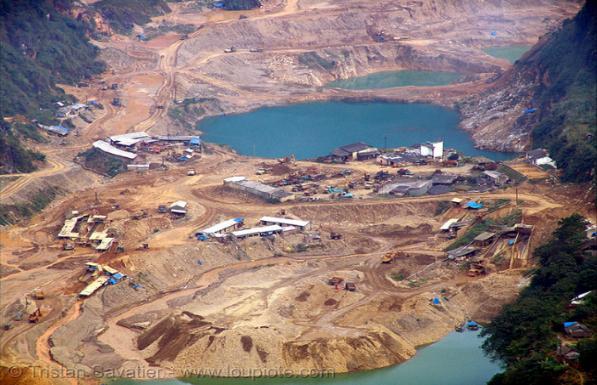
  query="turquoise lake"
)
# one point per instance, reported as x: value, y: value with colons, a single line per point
x: 391, y: 79
x: 309, y: 130
x: 457, y: 359
x: 508, y: 52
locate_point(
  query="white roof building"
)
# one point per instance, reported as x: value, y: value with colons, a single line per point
x: 179, y: 207
x: 545, y: 160
x: 448, y: 224
x: 434, y: 149
x: 284, y: 222
x: 257, y: 231
x: 218, y: 227
x: 129, y: 139
x: 108, y: 148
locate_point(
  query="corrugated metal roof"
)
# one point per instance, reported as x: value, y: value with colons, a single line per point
x: 446, y: 226
x: 93, y: 286
x: 108, y: 148
x: 256, y: 230
x: 285, y: 221
x: 222, y: 226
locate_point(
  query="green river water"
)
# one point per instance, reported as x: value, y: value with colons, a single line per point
x: 508, y: 52
x: 389, y: 79
x: 457, y: 359
x: 309, y: 130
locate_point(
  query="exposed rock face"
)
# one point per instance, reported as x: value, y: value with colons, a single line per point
x: 496, y: 118
x: 547, y: 99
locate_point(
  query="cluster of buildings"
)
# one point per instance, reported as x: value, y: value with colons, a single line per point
x: 362, y: 151
x: 86, y: 229
x: 128, y: 146
x: 441, y: 183
x: 102, y: 275
x: 65, y: 112
x: 258, y: 189
x: 233, y: 228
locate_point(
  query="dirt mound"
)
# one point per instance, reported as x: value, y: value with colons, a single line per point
x: 365, y: 213
x: 347, y: 354
x: 173, y: 334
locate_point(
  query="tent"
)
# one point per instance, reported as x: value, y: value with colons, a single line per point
x: 474, y: 205
x: 568, y: 324
x: 472, y: 324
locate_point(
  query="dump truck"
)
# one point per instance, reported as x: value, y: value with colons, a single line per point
x: 390, y: 256
x: 38, y: 294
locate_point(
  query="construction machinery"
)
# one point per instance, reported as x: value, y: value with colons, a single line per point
x: 38, y: 294
x: 35, y: 315
x: 391, y: 256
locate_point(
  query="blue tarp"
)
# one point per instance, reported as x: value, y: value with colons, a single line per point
x: 471, y: 324
x: 118, y: 276
x: 333, y: 190
x: 436, y: 301
x: 195, y: 141
x: 530, y: 110
x: 511, y: 242
x: 568, y: 324
x: 202, y: 237
x: 474, y: 205
x: 493, y: 33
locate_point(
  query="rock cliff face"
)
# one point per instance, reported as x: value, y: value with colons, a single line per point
x: 547, y: 99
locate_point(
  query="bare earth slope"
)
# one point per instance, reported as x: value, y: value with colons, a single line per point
x: 260, y: 304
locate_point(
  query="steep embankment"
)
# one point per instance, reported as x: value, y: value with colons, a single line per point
x: 547, y: 99
x: 40, y: 46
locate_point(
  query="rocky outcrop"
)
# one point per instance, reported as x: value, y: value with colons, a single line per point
x: 547, y: 99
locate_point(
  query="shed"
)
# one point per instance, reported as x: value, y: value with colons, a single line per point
x: 484, y: 239
x: 179, y: 207
x: 261, y: 231
x: 498, y: 178
x: 576, y: 330
x: 284, y: 222
x: 462, y: 252
x: 448, y: 224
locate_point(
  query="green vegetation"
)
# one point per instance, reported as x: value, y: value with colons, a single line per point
x: 313, y: 60
x: 13, y: 156
x: 509, y: 220
x: 190, y: 109
x: 442, y: 207
x: 566, y: 121
x: 103, y: 163
x: 514, y: 175
x: 165, y: 27
x: 525, y: 334
x: 122, y: 15
x: 497, y: 204
x: 39, y: 47
x: 10, y: 213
